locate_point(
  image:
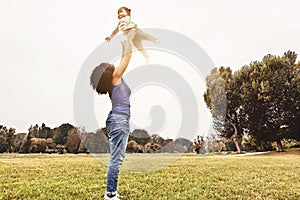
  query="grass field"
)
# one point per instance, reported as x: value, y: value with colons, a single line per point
x: 189, y: 176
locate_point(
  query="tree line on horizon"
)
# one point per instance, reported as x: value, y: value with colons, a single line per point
x: 69, y: 139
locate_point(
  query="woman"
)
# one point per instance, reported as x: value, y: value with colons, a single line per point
x: 106, y: 78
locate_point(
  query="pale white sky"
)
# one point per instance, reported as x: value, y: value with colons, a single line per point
x: 45, y: 42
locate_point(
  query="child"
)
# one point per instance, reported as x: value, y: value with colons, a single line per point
x: 125, y: 25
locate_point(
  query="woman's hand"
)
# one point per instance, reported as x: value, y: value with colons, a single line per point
x: 127, y: 44
x: 126, y: 48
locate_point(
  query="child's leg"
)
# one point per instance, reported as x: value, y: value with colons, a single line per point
x: 137, y: 41
x: 138, y: 44
x: 141, y: 35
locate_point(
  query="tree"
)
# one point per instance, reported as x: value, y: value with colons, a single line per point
x: 223, y: 100
x: 26, y: 143
x: 293, y: 127
x: 271, y: 97
x: 6, y: 139
x: 45, y: 132
x: 73, y: 141
x: 95, y: 142
x: 3, y: 144
x: 199, y: 144
x: 9, y: 138
x: 17, y: 141
x: 261, y: 100
x: 185, y: 143
x: 140, y: 136
x: 133, y: 147
x: 61, y: 133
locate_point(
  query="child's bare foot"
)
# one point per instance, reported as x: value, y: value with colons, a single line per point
x: 147, y: 60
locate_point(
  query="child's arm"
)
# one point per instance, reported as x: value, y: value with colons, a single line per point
x: 115, y: 32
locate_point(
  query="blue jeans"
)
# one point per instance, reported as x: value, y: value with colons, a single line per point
x: 117, y: 127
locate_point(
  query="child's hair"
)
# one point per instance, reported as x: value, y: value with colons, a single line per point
x: 126, y: 9
x: 101, y: 78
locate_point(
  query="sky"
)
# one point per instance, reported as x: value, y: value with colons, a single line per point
x: 45, y: 43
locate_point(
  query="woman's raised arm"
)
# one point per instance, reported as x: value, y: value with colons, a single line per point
x: 126, y: 56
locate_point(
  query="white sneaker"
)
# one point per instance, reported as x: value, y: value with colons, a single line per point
x: 116, y: 197
x: 119, y: 196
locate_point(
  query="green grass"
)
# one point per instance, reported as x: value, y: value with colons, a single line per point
x: 66, y: 177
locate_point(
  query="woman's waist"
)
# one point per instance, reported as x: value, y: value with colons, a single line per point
x: 119, y: 114
x: 122, y: 109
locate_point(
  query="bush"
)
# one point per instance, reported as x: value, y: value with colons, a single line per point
x: 3, y: 144
x: 230, y: 146
x: 134, y: 147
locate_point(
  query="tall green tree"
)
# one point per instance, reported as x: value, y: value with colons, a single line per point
x: 61, y: 133
x: 293, y: 127
x: 224, y: 103
x: 270, y: 96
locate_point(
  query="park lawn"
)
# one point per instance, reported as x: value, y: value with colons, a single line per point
x: 188, y: 176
